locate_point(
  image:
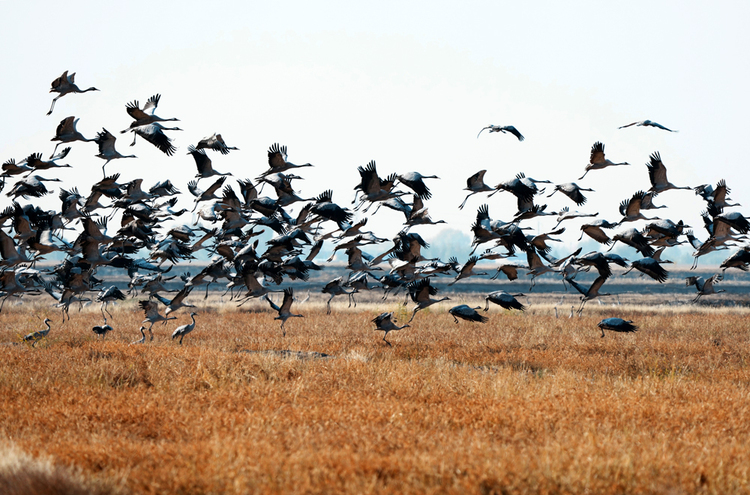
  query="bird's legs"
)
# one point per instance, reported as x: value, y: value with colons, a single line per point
x: 384, y: 335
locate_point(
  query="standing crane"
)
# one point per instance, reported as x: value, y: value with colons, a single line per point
x: 183, y: 330
x: 63, y: 85
x: 35, y: 337
x: 385, y: 323
x: 142, y: 340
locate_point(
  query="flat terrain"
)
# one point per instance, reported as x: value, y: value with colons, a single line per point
x: 526, y: 403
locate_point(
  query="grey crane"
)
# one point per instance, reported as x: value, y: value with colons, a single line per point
x: 108, y: 295
x: 215, y: 142
x: 203, y: 162
x: 142, y: 340
x: 475, y: 184
x: 63, y: 85
x: 183, y: 330
x: 650, y: 267
x: 573, y: 191
x: 646, y: 123
x: 106, y: 141
x: 151, y: 311
x: 177, y: 301
x: 144, y: 116
x: 32, y: 186
x: 385, y: 323
x: 504, y: 129
x: 591, y: 293
x: 705, y: 287
x: 420, y: 292
x: 336, y: 287
x: 594, y: 230
x: 285, y: 310
x: 504, y: 300
x: 617, y: 325
x: 630, y: 209
x: 657, y: 174
x: 598, y: 160
x: 102, y: 330
x: 66, y: 132
x: 154, y: 134
x: 277, y: 160
x: 415, y: 182
x: 35, y: 337
x: 467, y: 313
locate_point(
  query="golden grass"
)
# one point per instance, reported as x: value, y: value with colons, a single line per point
x: 523, y: 404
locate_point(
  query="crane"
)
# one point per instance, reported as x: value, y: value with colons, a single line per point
x: 151, y: 310
x: 106, y: 141
x: 705, y: 287
x: 107, y: 296
x: 591, y: 293
x: 573, y: 191
x: 66, y: 132
x: 475, y: 184
x: 102, y: 330
x: 63, y: 85
x: 504, y: 300
x: 420, y: 292
x: 385, y: 323
x: 203, y: 162
x: 647, y: 123
x: 598, y: 161
x: 657, y: 174
x: 285, y: 310
x: 467, y: 313
x: 144, y: 116
x: 216, y: 143
x: 183, y: 330
x: 142, y: 340
x: 35, y: 337
x: 504, y: 129
x: 617, y: 325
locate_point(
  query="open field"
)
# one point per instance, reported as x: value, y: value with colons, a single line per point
x: 524, y: 403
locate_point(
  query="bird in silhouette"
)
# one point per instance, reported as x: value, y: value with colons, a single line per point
x: 102, y: 330
x: 504, y: 300
x: 63, y: 85
x: 705, y: 287
x: 647, y: 123
x: 598, y: 161
x: 285, y: 310
x: 617, y: 325
x: 106, y: 141
x: 420, y: 292
x: 66, y: 132
x: 467, y: 313
x: 504, y: 129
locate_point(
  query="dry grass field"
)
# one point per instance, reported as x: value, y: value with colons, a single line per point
x: 526, y: 403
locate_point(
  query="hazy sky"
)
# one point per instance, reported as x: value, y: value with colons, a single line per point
x: 343, y: 83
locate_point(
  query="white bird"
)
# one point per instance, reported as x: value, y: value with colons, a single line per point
x: 183, y: 330
x: 63, y: 85
x: 504, y: 129
x: 35, y: 337
x: 647, y: 123
x: 467, y: 313
x: 106, y: 141
x: 285, y: 309
x: 617, y: 325
x: 385, y: 323
x: 598, y: 161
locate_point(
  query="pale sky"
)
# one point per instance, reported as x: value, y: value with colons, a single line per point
x: 407, y: 85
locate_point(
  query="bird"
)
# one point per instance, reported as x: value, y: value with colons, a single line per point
x: 285, y: 309
x: 467, y: 270
x: 573, y: 191
x: 177, y: 301
x: 66, y: 132
x: 650, y: 267
x: 336, y: 287
x: 598, y: 161
x: 144, y: 116
x: 657, y: 174
x: 154, y: 134
x: 102, y: 330
x: 504, y: 300
x: 504, y: 129
x: 183, y: 330
x: 216, y: 143
x: 203, y: 162
x: 475, y: 184
x: 277, y: 160
x: 151, y: 310
x: 106, y: 141
x: 647, y: 123
x: 32, y: 186
x: 63, y: 85
x: 467, y: 313
x: 384, y: 322
x: 617, y: 325
x: 704, y: 287
x: 35, y: 337
x: 415, y: 182
x: 630, y: 209
x: 142, y: 340
x: 107, y: 296
x: 591, y: 293
x: 420, y: 292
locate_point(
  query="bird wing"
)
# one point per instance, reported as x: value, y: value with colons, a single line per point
x: 597, y: 153
x: 202, y: 161
x: 154, y: 134
x: 657, y: 172
x: 514, y: 131
x: 277, y: 156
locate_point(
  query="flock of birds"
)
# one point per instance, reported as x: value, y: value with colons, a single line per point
x: 228, y: 222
